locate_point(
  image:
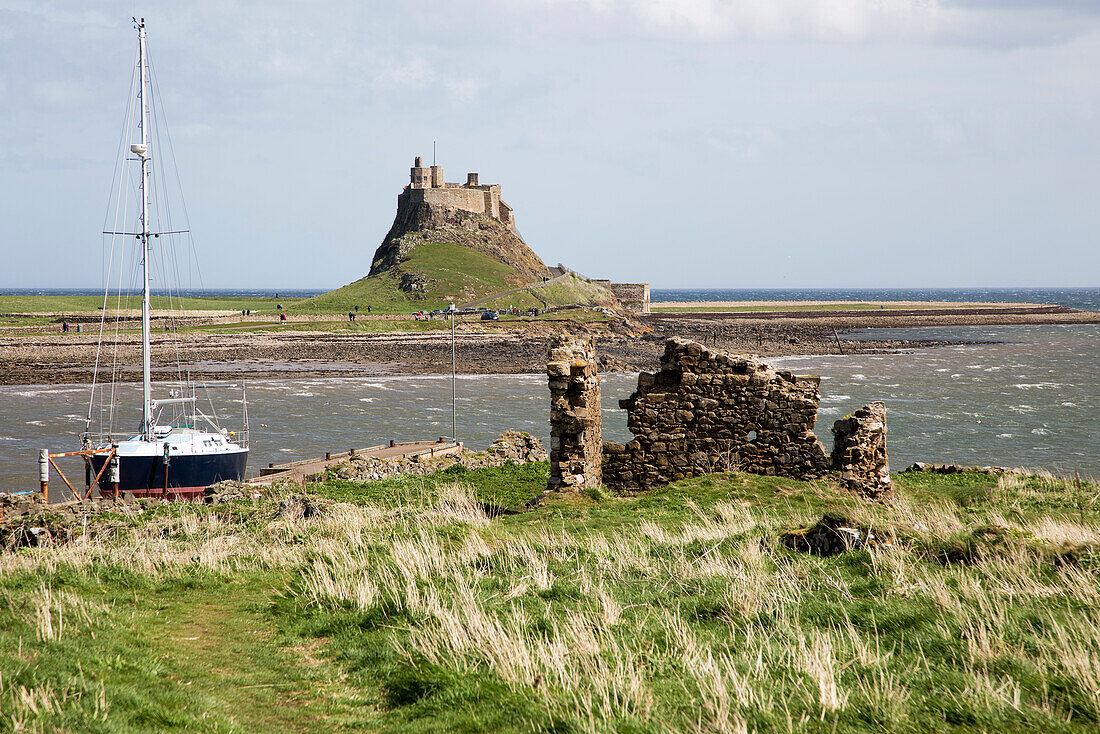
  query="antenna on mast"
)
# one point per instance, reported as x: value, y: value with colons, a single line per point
x: 433, y: 152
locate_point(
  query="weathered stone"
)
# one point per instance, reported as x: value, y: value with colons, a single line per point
x: 694, y: 417
x: 575, y: 417
x: 859, y: 450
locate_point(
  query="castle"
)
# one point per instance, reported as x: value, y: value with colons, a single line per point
x: 426, y: 185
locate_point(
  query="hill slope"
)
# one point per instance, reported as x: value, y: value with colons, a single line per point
x: 434, y: 255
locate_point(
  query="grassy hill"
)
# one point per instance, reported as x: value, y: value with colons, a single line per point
x: 453, y: 273
x: 457, y: 274
x: 403, y: 606
x: 571, y: 289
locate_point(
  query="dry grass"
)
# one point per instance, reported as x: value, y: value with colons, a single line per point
x: 701, y: 622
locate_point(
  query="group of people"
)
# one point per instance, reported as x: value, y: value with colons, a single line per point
x: 351, y: 314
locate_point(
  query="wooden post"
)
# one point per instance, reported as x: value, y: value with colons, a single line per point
x: 113, y: 474
x: 44, y: 473
x: 837, y: 336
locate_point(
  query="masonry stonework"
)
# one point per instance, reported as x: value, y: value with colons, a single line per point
x: 633, y: 296
x: 575, y: 414
x: 707, y: 411
x: 426, y: 185
x: 859, y: 450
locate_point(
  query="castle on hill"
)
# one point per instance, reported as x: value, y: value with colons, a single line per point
x: 426, y: 184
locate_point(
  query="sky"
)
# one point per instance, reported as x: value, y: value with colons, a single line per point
x: 684, y: 143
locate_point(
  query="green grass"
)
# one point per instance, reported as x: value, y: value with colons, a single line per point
x: 401, y: 606
x: 460, y: 273
x: 360, y: 326
x: 92, y: 304
x: 572, y: 290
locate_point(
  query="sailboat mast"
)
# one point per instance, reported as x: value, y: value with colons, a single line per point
x: 146, y: 367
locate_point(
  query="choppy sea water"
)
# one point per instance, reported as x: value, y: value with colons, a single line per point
x: 1087, y: 299
x: 1032, y: 399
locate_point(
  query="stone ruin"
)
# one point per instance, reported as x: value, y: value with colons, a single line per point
x: 707, y: 411
x: 859, y: 450
x: 575, y: 414
x: 704, y: 411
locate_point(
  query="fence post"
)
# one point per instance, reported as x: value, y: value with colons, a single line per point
x: 44, y: 473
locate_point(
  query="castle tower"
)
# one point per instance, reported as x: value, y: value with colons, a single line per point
x: 419, y: 177
x: 437, y: 177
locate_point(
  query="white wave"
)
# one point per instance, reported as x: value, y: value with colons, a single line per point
x: 1022, y: 408
x: 835, y: 398
x: 1004, y: 435
x: 8, y: 438
x: 1068, y: 405
x: 1040, y: 431
x: 36, y: 423
x: 366, y: 400
x: 829, y: 411
x: 1037, y: 385
x: 859, y: 376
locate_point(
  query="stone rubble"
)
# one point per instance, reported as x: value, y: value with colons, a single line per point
x: 576, y: 414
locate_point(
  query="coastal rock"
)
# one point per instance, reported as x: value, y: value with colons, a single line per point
x: 830, y: 535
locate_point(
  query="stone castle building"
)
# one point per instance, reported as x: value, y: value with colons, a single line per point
x: 426, y: 185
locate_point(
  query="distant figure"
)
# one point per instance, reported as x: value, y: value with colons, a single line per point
x: 276, y: 295
x: 357, y: 308
x: 351, y: 316
x: 282, y: 317
x: 64, y: 327
x: 368, y: 308
x: 279, y: 306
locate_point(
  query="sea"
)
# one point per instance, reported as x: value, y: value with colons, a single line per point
x: 1010, y: 395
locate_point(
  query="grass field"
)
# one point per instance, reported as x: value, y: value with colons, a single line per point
x: 403, y: 606
x: 457, y: 271
x: 92, y: 304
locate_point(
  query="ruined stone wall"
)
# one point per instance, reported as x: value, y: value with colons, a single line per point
x: 708, y: 411
x: 576, y: 416
x: 859, y: 450
x: 633, y: 296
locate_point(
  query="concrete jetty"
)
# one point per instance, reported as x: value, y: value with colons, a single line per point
x: 298, y: 471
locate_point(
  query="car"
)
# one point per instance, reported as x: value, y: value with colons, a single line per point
x: 490, y: 316
x: 437, y: 312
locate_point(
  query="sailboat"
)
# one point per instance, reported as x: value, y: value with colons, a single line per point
x: 177, y: 450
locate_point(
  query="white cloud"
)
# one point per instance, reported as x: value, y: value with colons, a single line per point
x: 832, y: 20
x: 60, y: 93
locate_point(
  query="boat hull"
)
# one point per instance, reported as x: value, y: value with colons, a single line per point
x: 187, y: 476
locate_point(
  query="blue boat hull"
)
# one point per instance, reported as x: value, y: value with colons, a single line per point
x: 187, y: 476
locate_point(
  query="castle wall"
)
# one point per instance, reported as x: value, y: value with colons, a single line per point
x: 470, y: 200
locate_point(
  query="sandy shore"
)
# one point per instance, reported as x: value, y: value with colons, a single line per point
x: 505, y: 347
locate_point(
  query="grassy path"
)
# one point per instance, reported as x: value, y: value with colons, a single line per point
x: 223, y: 649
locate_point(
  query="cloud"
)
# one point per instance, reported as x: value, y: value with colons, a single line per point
x: 984, y: 22
x: 60, y: 94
